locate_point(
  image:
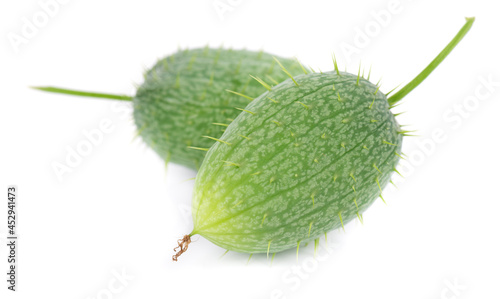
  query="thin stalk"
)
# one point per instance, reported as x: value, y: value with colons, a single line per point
x: 428, y: 70
x: 83, y: 93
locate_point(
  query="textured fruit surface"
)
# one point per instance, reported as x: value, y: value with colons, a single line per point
x: 184, y: 98
x: 305, y: 158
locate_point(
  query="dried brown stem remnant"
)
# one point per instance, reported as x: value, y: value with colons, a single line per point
x: 182, y: 247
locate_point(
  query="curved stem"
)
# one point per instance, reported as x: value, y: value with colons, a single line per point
x: 182, y: 246
x: 83, y: 93
x: 428, y: 70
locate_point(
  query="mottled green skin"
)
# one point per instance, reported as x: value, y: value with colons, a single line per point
x: 311, y: 151
x: 185, y: 93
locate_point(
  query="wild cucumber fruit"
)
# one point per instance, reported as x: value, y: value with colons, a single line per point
x: 183, y: 101
x: 305, y: 157
x: 183, y: 106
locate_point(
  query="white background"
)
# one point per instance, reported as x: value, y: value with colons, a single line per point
x: 119, y: 210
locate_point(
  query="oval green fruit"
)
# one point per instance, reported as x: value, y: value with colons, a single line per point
x: 184, y: 99
x: 297, y: 166
x: 193, y: 94
x: 306, y: 157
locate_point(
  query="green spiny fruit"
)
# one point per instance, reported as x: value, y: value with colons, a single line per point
x: 184, y: 100
x: 305, y: 157
x: 188, y: 99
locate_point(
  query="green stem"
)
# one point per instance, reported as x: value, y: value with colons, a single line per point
x: 84, y: 93
x: 428, y: 70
